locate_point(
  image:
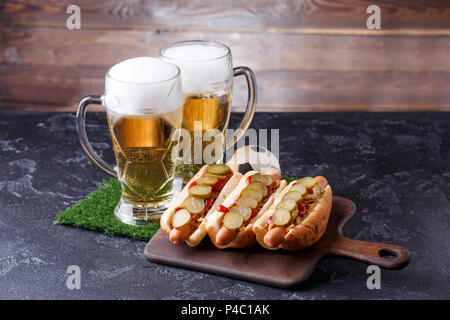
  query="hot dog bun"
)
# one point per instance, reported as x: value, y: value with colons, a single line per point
x: 246, y: 237
x: 197, y: 235
x: 300, y: 236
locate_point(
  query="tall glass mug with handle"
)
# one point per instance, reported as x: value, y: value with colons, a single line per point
x: 143, y: 100
x: 207, y: 75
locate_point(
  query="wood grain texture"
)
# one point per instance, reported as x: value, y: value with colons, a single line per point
x: 307, y: 55
x: 283, y: 16
x: 62, y: 87
x: 62, y: 47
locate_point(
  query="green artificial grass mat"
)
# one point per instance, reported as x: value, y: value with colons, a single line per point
x: 96, y: 212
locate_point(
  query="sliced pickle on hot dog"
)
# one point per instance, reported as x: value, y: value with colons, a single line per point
x: 206, y: 181
x: 216, y: 176
x: 281, y: 217
x: 181, y: 218
x: 294, y: 195
x: 288, y: 204
x: 233, y: 220
x: 199, y: 191
x: 299, y: 187
x: 308, y: 182
x: 246, y: 212
x: 194, y: 205
x: 265, y: 179
x: 258, y: 186
x: 247, y: 202
x: 219, y: 169
x: 252, y: 193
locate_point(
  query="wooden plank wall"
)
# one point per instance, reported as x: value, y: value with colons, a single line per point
x: 307, y: 55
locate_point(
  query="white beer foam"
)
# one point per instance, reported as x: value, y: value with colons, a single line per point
x: 204, y: 67
x: 143, y: 86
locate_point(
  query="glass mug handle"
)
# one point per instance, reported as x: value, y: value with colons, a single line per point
x: 251, y: 103
x: 81, y: 131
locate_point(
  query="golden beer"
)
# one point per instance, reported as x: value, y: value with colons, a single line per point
x: 144, y: 107
x: 213, y: 112
x: 211, y: 109
x: 143, y: 149
x: 207, y: 78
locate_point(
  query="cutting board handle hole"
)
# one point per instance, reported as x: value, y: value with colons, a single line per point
x: 387, y: 254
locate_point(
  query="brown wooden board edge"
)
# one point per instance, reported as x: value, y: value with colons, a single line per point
x: 327, y: 252
x: 217, y: 270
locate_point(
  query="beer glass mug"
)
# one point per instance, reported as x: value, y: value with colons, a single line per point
x: 143, y: 100
x: 207, y: 76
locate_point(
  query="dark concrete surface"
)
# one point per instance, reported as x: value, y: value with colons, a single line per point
x: 394, y: 166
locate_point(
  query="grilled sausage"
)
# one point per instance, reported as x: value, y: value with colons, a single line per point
x: 274, y: 236
x: 225, y: 236
x: 178, y: 236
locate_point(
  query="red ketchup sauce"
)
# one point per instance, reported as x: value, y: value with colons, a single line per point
x: 193, y: 184
x: 222, y: 208
x: 301, y: 209
x: 216, y: 187
x: 221, y: 182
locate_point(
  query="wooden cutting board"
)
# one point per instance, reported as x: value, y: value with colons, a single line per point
x: 278, y: 268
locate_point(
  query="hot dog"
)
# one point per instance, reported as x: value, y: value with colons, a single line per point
x: 185, y: 220
x: 231, y: 224
x: 298, y: 216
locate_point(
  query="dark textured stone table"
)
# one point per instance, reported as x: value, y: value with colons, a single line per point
x: 394, y: 166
